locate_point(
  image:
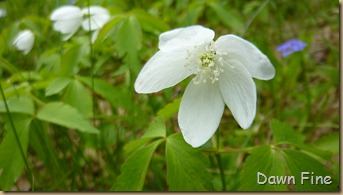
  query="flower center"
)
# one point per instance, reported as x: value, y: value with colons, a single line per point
x: 209, y: 65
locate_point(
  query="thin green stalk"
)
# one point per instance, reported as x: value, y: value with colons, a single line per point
x: 307, y: 88
x: 219, y: 161
x: 254, y: 16
x: 17, y: 137
x: 228, y: 150
x: 92, y: 64
x: 221, y: 170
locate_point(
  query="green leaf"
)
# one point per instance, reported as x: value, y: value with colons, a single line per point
x: 107, y: 91
x: 186, y: 166
x: 194, y: 11
x: 263, y: 160
x: 70, y: 60
x: 314, y: 151
x: 50, y: 61
x: 77, y: 96
x: 299, y: 163
x: 170, y: 109
x: 57, y: 85
x: 149, y: 22
x: 284, y: 133
x: 65, y: 115
x: 108, y: 136
x: 328, y: 142
x: 8, y: 66
x: 129, y: 41
x: 11, y: 159
x: 20, y: 104
x: 42, y: 144
x: 135, y: 144
x: 107, y: 30
x: 134, y: 170
x: 129, y: 38
x: 157, y: 128
x: 227, y: 16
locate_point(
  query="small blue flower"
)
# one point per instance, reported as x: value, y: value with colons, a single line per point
x: 290, y: 46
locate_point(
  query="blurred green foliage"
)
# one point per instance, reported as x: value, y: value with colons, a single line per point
x: 79, y: 125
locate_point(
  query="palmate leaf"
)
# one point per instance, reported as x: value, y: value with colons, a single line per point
x: 57, y: 85
x: 328, y: 142
x: 70, y: 59
x: 129, y: 36
x: 170, y: 109
x: 186, y: 166
x: 107, y: 30
x: 20, y: 104
x: 156, y: 129
x: 299, y: 162
x: 149, y: 22
x: 284, y: 133
x: 129, y: 41
x: 62, y: 114
x: 107, y: 91
x: 134, y: 170
x: 276, y: 163
x: 11, y: 159
x: 77, y: 96
x: 266, y: 160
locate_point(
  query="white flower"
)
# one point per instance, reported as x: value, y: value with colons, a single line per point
x: 3, y: 13
x: 97, y: 18
x: 68, y: 20
x: 24, y: 41
x: 222, y: 70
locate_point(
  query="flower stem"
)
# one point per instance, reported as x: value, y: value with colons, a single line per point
x: 254, y: 16
x: 17, y: 137
x: 219, y: 161
x: 221, y: 170
x: 92, y: 64
x: 228, y: 150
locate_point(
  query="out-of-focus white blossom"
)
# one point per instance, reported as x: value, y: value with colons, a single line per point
x: 3, y: 13
x: 24, y: 41
x: 68, y: 19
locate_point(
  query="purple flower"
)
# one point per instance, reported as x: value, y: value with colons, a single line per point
x: 290, y: 46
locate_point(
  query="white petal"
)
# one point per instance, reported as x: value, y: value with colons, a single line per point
x: 67, y: 19
x: 98, y: 17
x: 3, y: 13
x: 24, y: 41
x: 96, y: 10
x: 185, y: 37
x: 239, y: 92
x: 163, y: 70
x: 201, y: 109
x: 248, y: 54
x: 67, y: 12
x: 95, y: 35
x: 67, y: 26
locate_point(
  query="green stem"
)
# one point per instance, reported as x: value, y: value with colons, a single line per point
x: 92, y: 64
x: 219, y: 161
x: 254, y: 16
x: 307, y: 87
x: 228, y: 150
x: 17, y: 137
x: 221, y: 170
